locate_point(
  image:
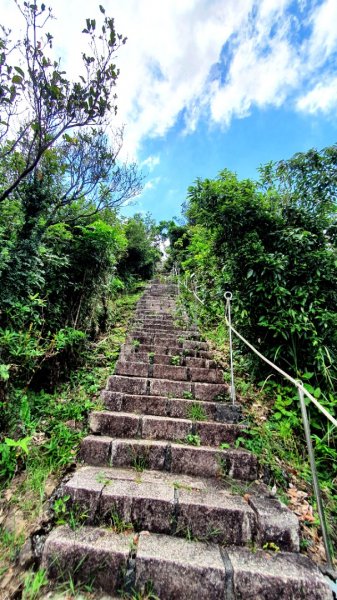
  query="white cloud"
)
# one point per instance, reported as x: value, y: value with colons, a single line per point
x: 264, y: 68
x: 150, y: 162
x: 185, y: 39
x: 174, y: 62
x: 151, y: 184
x: 323, y: 97
x: 324, y: 32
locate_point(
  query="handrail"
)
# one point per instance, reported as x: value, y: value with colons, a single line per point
x: 193, y: 292
x: 302, y: 391
x: 295, y: 382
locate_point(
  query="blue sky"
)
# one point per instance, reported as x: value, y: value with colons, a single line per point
x: 255, y: 81
x: 264, y: 135
x: 212, y: 84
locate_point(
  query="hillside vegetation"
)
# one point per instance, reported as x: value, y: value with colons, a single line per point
x: 272, y: 243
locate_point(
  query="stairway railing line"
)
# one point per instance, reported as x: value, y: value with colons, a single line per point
x: 302, y: 391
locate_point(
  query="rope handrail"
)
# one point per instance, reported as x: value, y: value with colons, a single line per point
x: 302, y: 391
x: 294, y: 381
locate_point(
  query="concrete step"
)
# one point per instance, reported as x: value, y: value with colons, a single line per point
x: 179, y: 408
x: 186, y: 507
x: 150, y: 427
x: 160, y: 371
x: 167, y: 387
x: 159, y: 455
x: 170, y: 568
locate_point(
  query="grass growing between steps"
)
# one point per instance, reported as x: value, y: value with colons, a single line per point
x: 44, y: 435
x: 275, y: 432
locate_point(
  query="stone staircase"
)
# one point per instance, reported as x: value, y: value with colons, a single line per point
x: 165, y: 506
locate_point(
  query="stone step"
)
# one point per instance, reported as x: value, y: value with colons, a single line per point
x: 161, y: 503
x: 156, y: 303
x: 163, y: 323
x: 165, y: 330
x: 169, y: 567
x: 143, y: 481
x: 159, y: 339
x: 175, y: 373
x: 151, y: 427
x: 158, y: 455
x: 129, y: 348
x: 179, y: 408
x: 151, y: 326
x: 164, y: 359
x: 162, y: 316
x: 167, y: 387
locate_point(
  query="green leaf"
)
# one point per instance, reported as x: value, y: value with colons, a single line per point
x: 4, y: 372
x: 23, y: 443
x: 17, y: 79
x: 102, y: 9
x: 20, y: 71
x: 307, y: 375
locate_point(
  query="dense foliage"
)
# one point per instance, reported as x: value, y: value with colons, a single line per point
x: 272, y: 243
x: 65, y: 253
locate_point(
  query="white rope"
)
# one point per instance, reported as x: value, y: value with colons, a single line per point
x: 293, y: 381
x: 296, y: 383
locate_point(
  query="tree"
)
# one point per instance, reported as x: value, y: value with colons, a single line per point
x: 142, y: 253
x: 308, y: 180
x: 39, y: 104
x: 82, y: 168
x: 61, y: 166
x: 275, y: 250
x: 178, y: 240
x: 89, y: 168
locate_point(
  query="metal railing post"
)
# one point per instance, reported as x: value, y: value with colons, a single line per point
x: 317, y: 489
x: 228, y: 296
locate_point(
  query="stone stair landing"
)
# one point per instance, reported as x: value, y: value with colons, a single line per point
x: 164, y: 504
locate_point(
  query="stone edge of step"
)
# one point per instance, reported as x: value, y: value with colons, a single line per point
x: 120, y: 561
x: 254, y: 517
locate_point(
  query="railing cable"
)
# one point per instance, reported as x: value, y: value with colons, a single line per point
x: 302, y: 391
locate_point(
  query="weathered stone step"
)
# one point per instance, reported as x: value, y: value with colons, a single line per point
x: 166, y: 456
x: 180, y: 408
x: 177, y: 568
x: 156, y: 303
x: 158, y: 338
x: 151, y: 427
x: 151, y: 326
x: 148, y: 313
x: 160, y: 371
x: 164, y: 359
x: 145, y: 321
x: 166, y: 329
x: 130, y: 348
x: 166, y: 387
x: 184, y: 507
